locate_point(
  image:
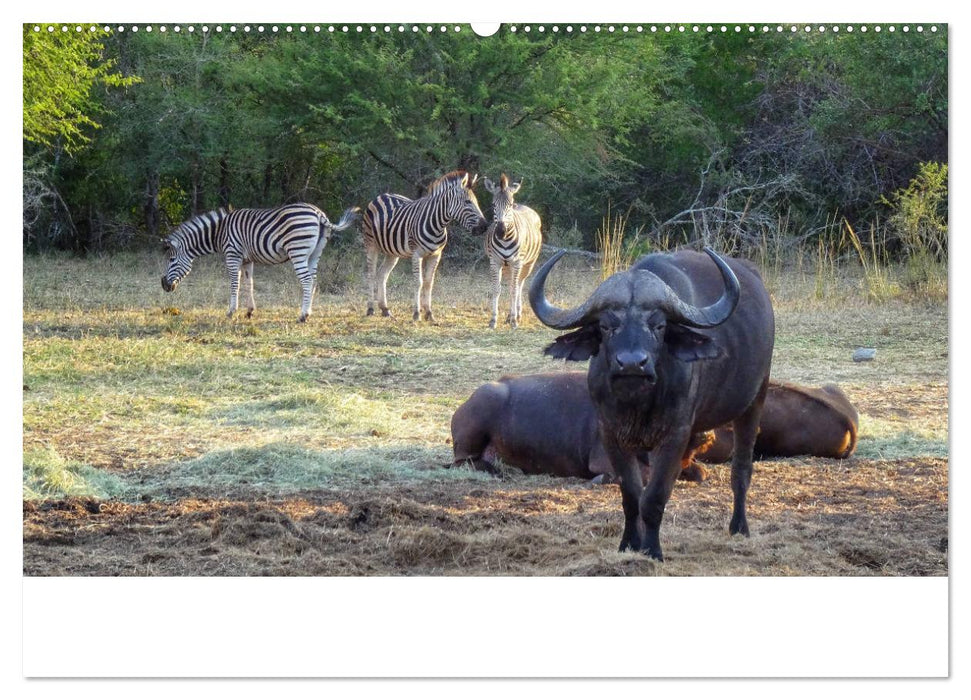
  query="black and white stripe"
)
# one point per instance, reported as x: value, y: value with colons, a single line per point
x: 294, y: 232
x: 396, y: 227
x: 513, y: 242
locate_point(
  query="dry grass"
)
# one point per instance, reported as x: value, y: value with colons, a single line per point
x: 185, y: 443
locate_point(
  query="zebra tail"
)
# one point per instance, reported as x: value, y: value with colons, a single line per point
x: 350, y: 214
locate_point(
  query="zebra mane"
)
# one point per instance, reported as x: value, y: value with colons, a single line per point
x: 199, y: 223
x: 447, y: 178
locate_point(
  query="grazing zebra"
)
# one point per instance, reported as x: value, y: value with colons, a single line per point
x: 294, y: 232
x: 396, y: 227
x: 512, y: 242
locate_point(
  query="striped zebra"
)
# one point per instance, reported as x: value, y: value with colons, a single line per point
x: 513, y: 242
x: 396, y: 227
x: 294, y: 232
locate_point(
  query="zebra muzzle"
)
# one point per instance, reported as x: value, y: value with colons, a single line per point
x: 168, y: 286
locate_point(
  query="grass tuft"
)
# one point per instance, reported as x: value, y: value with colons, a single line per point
x: 47, y: 475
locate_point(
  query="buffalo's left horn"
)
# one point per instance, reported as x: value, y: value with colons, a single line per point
x: 560, y: 319
x: 714, y: 314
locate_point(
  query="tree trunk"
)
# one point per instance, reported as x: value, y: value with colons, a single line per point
x: 224, y: 182
x: 151, y: 207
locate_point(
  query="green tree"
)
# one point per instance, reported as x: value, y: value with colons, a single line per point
x: 62, y: 70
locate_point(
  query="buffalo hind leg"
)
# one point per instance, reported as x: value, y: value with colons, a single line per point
x: 746, y: 428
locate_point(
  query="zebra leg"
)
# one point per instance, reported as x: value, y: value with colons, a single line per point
x: 514, y: 268
x: 495, y: 270
x: 416, y: 270
x: 306, y: 270
x: 233, y: 264
x: 430, y: 265
x: 248, y: 279
x: 387, y: 265
x: 308, y: 282
x: 371, y: 265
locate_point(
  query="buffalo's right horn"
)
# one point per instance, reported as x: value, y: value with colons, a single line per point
x: 716, y: 313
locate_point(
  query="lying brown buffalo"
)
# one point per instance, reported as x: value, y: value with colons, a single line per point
x: 796, y: 420
x: 547, y: 424
x: 680, y: 343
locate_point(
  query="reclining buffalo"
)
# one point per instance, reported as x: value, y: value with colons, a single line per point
x: 679, y: 344
x: 796, y: 420
x: 547, y: 424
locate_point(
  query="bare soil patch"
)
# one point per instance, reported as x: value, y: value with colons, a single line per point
x: 809, y: 517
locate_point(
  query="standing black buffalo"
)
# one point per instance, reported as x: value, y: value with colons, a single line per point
x: 655, y: 381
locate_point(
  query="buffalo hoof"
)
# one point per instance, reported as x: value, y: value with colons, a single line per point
x: 738, y: 526
x: 630, y: 543
x: 652, y: 553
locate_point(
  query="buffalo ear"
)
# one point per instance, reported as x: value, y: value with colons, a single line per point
x: 577, y: 346
x: 688, y: 345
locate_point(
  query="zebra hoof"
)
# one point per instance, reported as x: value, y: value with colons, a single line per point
x: 416, y: 316
x: 303, y: 318
x: 386, y: 313
x: 492, y: 323
x: 370, y: 311
x: 429, y: 317
x: 249, y: 313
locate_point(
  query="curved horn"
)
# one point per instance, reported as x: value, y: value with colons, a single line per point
x: 714, y: 314
x: 550, y: 315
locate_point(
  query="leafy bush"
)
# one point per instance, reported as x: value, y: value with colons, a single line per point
x: 919, y: 213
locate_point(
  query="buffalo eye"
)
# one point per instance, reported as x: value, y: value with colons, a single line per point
x: 608, y: 324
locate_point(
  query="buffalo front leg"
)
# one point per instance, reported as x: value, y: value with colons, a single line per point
x: 746, y: 428
x: 665, y: 461
x: 628, y: 471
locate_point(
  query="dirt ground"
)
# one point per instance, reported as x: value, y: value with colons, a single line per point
x: 858, y: 518
x: 208, y: 424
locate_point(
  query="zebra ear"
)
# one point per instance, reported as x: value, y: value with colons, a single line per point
x: 514, y: 188
x: 491, y: 186
x: 475, y: 179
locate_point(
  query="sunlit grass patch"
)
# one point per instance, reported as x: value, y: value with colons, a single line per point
x: 280, y: 468
x: 48, y: 475
x: 893, y: 439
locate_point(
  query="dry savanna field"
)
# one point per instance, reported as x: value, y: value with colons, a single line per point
x: 161, y: 438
